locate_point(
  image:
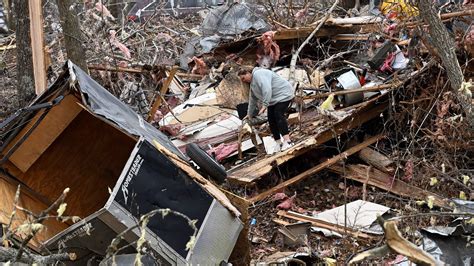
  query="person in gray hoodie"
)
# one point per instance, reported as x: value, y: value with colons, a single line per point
x: 275, y: 94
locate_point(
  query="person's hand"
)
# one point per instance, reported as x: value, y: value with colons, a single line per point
x: 262, y: 110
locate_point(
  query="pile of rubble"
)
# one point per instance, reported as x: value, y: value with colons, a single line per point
x: 357, y: 84
x: 381, y: 169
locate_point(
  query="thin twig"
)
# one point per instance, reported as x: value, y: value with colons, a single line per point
x: 294, y: 58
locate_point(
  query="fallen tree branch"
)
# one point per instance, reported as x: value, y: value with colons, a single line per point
x: 10, y: 254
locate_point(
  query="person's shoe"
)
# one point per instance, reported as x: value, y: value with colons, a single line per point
x: 276, y: 148
x: 286, y: 145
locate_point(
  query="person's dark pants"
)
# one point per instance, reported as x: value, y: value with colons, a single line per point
x: 277, y: 119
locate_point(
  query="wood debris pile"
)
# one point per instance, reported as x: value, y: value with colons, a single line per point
x: 382, y: 118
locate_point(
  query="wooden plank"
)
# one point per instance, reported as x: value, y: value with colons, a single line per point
x: 293, y: 118
x: 354, y: 20
x: 384, y: 181
x: 53, y: 124
x: 37, y: 45
x: 445, y: 17
x: 316, y: 169
x: 163, y: 90
x: 30, y: 122
x: 377, y: 160
x: 8, y: 189
x: 189, y: 76
x: 280, y: 222
x: 351, y: 37
x: 88, y: 157
x: 343, y: 92
x: 303, y: 32
x: 115, y: 69
x: 250, y: 173
x: 323, y: 224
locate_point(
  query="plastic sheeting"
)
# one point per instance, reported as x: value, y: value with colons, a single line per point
x: 449, y: 245
x: 103, y: 103
x: 232, y: 20
x: 223, y: 23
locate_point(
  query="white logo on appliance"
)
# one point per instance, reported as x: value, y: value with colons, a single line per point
x: 137, y: 163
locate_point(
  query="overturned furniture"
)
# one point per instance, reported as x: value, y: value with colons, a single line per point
x: 83, y: 138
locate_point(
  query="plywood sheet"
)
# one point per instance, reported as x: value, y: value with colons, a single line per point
x: 197, y: 113
x: 58, y: 118
x: 87, y: 157
x: 231, y: 91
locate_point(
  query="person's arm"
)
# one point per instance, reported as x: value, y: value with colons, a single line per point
x: 252, y: 105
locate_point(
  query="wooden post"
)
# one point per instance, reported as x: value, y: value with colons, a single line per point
x: 163, y: 90
x: 37, y: 45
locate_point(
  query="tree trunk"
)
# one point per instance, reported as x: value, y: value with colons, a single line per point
x: 24, y: 62
x: 116, y: 7
x: 72, y: 33
x: 7, y: 11
x: 446, y: 49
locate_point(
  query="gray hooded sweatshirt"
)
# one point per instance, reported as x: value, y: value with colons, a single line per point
x: 268, y: 88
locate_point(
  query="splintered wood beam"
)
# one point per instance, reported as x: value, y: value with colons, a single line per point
x: 37, y: 45
x: 317, y: 168
x: 379, y: 179
x: 323, y: 224
x: 248, y: 174
x: 163, y: 90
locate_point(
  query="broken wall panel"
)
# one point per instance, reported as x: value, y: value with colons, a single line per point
x: 58, y: 118
x: 247, y: 174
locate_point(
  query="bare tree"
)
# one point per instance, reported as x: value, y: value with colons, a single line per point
x: 72, y: 33
x: 445, y: 48
x: 24, y: 66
